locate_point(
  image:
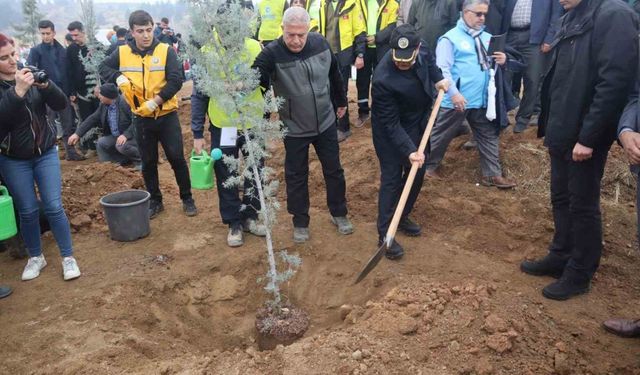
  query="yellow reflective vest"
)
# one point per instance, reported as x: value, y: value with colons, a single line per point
x: 217, y: 115
x: 350, y: 25
x: 147, y: 76
x: 270, y: 12
x: 387, y: 13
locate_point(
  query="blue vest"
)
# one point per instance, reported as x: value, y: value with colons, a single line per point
x: 466, y: 73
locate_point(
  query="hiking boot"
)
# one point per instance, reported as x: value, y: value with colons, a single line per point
x: 252, y: 226
x: 395, y: 251
x: 550, y: 265
x: 343, y: 135
x: 343, y: 223
x: 189, y: 207
x: 5, y: 291
x: 155, y: 208
x: 408, y: 227
x: 362, y: 120
x: 33, y: 267
x: 70, y: 268
x: 300, y: 234
x: 235, y: 238
x: 566, y: 287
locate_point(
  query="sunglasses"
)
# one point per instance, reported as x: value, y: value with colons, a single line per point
x: 478, y: 14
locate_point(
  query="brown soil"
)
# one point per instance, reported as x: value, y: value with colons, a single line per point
x: 181, y: 301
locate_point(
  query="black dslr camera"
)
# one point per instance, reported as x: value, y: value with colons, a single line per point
x: 39, y: 75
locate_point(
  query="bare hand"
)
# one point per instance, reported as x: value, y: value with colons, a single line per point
x: 24, y: 81
x: 545, y: 48
x: 443, y: 85
x: 198, y: 145
x: 341, y: 111
x: 72, y: 98
x: 459, y: 102
x: 73, y: 140
x: 500, y: 58
x: 581, y: 153
x: 415, y: 157
x: 359, y: 64
x: 371, y: 40
x: 631, y: 144
x: 122, y: 139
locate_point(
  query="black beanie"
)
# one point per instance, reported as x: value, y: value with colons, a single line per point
x: 109, y: 90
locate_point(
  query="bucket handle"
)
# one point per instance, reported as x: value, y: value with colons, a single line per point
x: 203, y: 154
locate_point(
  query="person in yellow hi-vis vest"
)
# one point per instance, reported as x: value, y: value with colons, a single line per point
x: 380, y: 17
x: 149, y: 75
x: 341, y: 22
x: 230, y: 203
x: 270, y: 14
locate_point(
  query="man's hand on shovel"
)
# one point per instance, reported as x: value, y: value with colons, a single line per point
x: 416, y: 157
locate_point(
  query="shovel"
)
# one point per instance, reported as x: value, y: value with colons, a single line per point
x: 391, y: 232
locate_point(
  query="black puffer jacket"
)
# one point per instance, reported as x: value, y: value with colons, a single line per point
x: 24, y: 128
x: 595, y: 61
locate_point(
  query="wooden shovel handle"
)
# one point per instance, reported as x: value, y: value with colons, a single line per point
x: 393, y: 227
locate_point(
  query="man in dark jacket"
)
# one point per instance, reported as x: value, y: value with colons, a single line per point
x: 530, y: 26
x: 51, y: 57
x: 164, y: 33
x: 121, y: 35
x: 308, y: 114
x: 402, y: 96
x: 594, y: 67
x: 433, y: 18
x: 629, y: 137
x: 113, y: 116
x: 76, y: 72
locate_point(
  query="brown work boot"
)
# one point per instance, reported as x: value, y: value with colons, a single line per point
x: 623, y: 327
x: 498, y: 181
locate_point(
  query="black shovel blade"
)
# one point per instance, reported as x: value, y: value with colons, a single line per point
x: 373, y: 262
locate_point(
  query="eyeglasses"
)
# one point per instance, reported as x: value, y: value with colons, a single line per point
x: 478, y: 14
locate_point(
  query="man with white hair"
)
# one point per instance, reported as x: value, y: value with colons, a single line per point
x: 306, y: 75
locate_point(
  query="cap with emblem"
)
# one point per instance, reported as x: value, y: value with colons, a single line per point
x: 404, y: 41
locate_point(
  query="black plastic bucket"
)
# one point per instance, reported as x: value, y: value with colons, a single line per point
x: 127, y: 214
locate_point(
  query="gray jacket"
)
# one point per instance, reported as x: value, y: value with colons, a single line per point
x: 306, y: 81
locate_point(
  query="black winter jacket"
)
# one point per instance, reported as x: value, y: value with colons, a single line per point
x: 401, y: 101
x: 52, y: 58
x: 99, y: 118
x: 29, y: 132
x: 595, y: 61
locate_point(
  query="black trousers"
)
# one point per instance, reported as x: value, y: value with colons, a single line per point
x: 296, y: 170
x: 363, y: 80
x: 230, y: 203
x: 575, y: 199
x: 343, y: 123
x: 166, y: 130
x: 393, y: 176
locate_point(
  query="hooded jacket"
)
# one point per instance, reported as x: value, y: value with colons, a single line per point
x: 24, y: 130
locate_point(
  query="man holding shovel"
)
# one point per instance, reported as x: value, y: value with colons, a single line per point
x: 401, y: 96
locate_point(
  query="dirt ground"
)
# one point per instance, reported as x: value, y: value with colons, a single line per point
x: 181, y: 302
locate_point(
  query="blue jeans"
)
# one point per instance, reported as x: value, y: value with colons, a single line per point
x: 21, y: 176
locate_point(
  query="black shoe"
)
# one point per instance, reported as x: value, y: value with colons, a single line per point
x: 189, y: 207
x: 155, y: 208
x: 408, y: 227
x: 566, y: 288
x: 74, y: 156
x: 548, y: 266
x: 394, y: 252
x: 519, y: 127
x: 5, y: 291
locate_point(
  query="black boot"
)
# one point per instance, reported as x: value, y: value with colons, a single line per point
x: 70, y: 151
x: 408, y: 227
x: 569, y: 285
x: 155, y: 207
x: 550, y: 265
x: 394, y: 252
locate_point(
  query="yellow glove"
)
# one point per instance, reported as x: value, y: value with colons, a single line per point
x: 126, y: 88
x: 147, y: 109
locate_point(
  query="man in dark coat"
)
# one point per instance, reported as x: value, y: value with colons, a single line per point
x: 77, y: 73
x: 433, y: 18
x: 402, y: 96
x: 51, y: 57
x: 595, y: 62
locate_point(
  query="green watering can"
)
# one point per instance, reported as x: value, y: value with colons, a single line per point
x: 201, y: 168
x: 8, y: 226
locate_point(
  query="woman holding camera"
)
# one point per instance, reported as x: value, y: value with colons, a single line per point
x: 29, y: 156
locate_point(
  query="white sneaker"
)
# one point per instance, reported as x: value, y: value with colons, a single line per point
x: 70, y: 268
x: 33, y: 267
x: 252, y: 226
x: 234, y: 238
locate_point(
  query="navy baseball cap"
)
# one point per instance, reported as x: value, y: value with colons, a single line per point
x: 404, y: 41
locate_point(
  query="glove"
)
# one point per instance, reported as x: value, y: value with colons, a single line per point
x: 147, y: 109
x: 126, y: 88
